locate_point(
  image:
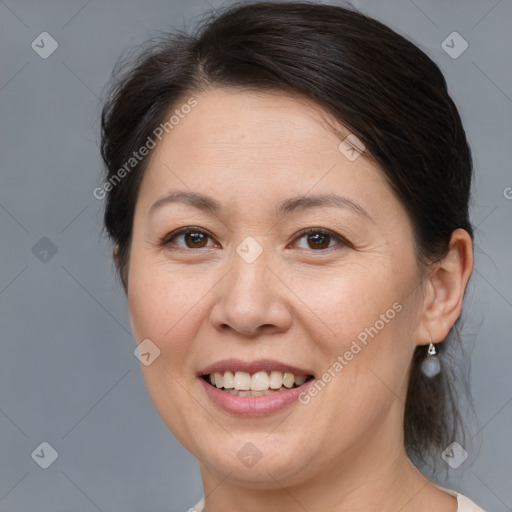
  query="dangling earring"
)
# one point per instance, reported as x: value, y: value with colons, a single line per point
x: 431, y: 365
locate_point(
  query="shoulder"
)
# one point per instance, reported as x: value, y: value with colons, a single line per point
x: 463, y: 502
x: 198, y: 507
x: 466, y: 505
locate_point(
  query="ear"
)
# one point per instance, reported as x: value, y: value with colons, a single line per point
x: 445, y: 288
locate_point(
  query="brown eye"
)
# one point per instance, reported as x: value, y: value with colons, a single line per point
x: 319, y: 239
x: 195, y: 240
x: 188, y: 238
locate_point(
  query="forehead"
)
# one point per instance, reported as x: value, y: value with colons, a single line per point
x: 232, y: 118
x: 256, y: 145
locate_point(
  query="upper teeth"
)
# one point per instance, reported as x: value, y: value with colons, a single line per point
x: 259, y: 381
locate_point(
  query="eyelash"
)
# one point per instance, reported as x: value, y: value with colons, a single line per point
x: 342, y: 241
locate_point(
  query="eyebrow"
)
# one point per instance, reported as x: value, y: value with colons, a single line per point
x: 286, y: 207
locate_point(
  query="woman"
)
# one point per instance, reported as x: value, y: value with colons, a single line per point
x: 287, y: 192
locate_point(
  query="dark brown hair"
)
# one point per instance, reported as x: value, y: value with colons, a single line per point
x: 379, y: 85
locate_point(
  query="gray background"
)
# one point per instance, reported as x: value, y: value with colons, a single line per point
x: 68, y: 374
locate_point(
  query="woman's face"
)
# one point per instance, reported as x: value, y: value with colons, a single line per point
x: 245, y: 292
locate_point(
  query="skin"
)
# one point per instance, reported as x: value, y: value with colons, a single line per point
x: 295, y: 303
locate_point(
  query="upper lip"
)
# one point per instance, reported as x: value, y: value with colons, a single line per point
x: 260, y: 365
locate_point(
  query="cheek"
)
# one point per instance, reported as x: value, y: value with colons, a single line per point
x: 352, y: 303
x: 367, y: 317
x: 161, y: 308
x: 161, y: 297
x: 365, y: 361
x: 165, y: 311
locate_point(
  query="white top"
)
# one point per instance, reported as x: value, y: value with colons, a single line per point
x: 464, y: 504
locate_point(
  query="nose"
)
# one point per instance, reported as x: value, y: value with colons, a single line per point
x: 251, y: 300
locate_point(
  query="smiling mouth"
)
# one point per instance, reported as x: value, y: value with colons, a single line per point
x: 256, y: 384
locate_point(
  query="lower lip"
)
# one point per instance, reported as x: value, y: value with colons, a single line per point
x: 253, y: 405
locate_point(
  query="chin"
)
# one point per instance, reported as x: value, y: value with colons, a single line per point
x: 256, y: 460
